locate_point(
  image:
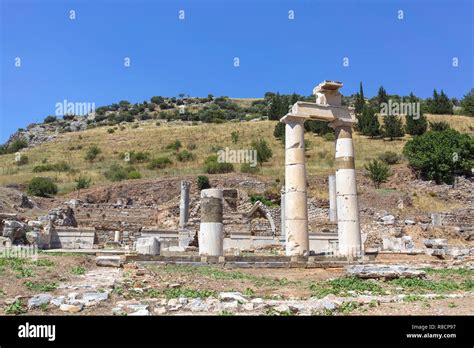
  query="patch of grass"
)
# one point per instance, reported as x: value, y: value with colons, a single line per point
x: 15, y: 308
x: 414, y: 284
x: 249, y: 292
x: 46, y: 286
x: 218, y: 274
x: 2, y: 292
x: 59, y: 253
x: 43, y: 307
x: 413, y: 298
x: 170, y: 293
x: 341, y: 287
x: 226, y: 313
x: 44, y: 263
x: 78, y: 270
x: 347, y: 307
x: 452, y: 305
x: 25, y: 272
x: 449, y: 271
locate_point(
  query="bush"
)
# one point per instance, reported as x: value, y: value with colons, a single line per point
x: 439, y: 126
x: 185, y: 156
x: 433, y: 154
x: 393, y: 127
x: 42, y: 187
x: 17, y: 145
x: 212, y: 166
x: 329, y: 137
x: 159, y: 163
x: 203, y: 182
x: 22, y: 160
x: 56, y: 167
x: 82, y: 182
x: 247, y: 168
x: 416, y: 126
x: 134, y: 174
x: 378, y: 172
x: 92, y: 153
x: 175, y: 145
x: 110, y: 130
x: 264, y: 153
x: 389, y: 157
x: 50, y: 119
x: 279, y: 131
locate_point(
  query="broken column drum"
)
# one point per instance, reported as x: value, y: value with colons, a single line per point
x: 211, y: 231
x: 296, y: 209
x: 184, y: 204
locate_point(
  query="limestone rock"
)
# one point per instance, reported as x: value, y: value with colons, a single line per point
x: 39, y: 300
x: 232, y: 296
x: 71, y: 308
x: 108, y: 261
x: 384, y: 271
x: 148, y: 246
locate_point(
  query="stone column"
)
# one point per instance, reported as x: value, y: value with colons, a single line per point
x: 282, y: 214
x: 346, y: 191
x: 117, y: 237
x: 332, y: 198
x: 296, y: 212
x: 184, y: 204
x: 211, y: 231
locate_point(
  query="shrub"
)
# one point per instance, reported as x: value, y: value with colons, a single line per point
x: 416, y: 126
x: 185, y: 156
x: 22, y: 160
x: 17, y: 145
x: 110, y: 130
x: 92, y: 153
x: 247, y: 168
x: 212, y: 166
x: 42, y: 187
x: 262, y: 199
x: 432, y: 155
x: 56, y: 167
x: 389, y: 157
x: 329, y: 137
x: 159, y: 163
x: 439, y: 126
x: 82, y: 183
x: 279, y: 131
x: 264, y: 153
x: 467, y: 103
x: 235, y: 137
x: 134, y: 174
x: 50, y: 119
x: 203, y: 182
x: 378, y: 172
x: 175, y: 145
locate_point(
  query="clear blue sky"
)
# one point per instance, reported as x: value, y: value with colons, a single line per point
x: 82, y: 59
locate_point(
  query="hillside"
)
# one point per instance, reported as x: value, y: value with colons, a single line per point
x: 202, y: 140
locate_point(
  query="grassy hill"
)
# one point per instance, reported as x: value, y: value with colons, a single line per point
x: 202, y: 140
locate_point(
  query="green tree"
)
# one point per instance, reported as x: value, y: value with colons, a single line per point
x: 467, y: 103
x: 359, y: 100
x: 393, y: 127
x: 378, y: 172
x: 440, y: 155
x: 82, y: 182
x: 370, y: 125
x: 279, y: 131
x: 264, y: 153
x: 416, y: 126
x: 382, y: 96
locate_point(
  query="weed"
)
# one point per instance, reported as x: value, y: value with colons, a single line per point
x: 341, y: 286
x: 78, y: 270
x: 15, y: 308
x: 48, y: 286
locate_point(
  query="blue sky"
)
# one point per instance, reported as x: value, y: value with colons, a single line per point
x: 83, y: 59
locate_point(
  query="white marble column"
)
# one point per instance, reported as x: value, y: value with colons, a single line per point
x: 184, y: 204
x: 346, y: 192
x: 296, y: 210
x: 332, y: 198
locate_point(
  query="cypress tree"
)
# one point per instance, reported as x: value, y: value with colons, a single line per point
x: 393, y: 127
x: 371, y: 125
